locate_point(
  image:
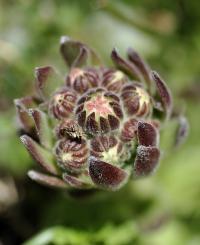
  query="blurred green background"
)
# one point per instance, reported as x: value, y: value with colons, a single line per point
x: 162, y: 209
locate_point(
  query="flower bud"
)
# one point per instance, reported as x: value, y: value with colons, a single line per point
x: 136, y: 100
x: 113, y: 80
x: 81, y: 80
x: 62, y: 103
x: 99, y: 111
x: 71, y: 155
x: 107, y: 148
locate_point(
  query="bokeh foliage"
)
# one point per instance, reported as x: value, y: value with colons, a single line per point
x: 162, y: 209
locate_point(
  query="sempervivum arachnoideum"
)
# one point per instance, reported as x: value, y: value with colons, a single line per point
x: 97, y: 127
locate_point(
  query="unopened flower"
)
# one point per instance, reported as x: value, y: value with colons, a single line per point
x: 96, y: 127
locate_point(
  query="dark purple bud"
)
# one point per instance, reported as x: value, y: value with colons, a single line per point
x: 113, y: 80
x: 147, y: 134
x: 62, y: 103
x: 136, y: 100
x: 146, y: 161
x: 47, y: 180
x: 82, y: 80
x: 163, y: 92
x: 105, y: 175
x: 71, y: 155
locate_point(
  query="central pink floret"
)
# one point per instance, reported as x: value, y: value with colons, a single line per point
x: 99, y: 105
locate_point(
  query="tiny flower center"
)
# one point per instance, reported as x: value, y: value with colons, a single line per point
x: 76, y: 72
x: 99, y: 105
x: 58, y: 98
x: 118, y: 75
x: 143, y: 95
x: 111, y: 155
x: 66, y: 157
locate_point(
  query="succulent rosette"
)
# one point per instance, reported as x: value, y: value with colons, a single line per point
x: 96, y: 127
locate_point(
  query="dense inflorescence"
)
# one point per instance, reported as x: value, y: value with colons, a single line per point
x: 97, y: 127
